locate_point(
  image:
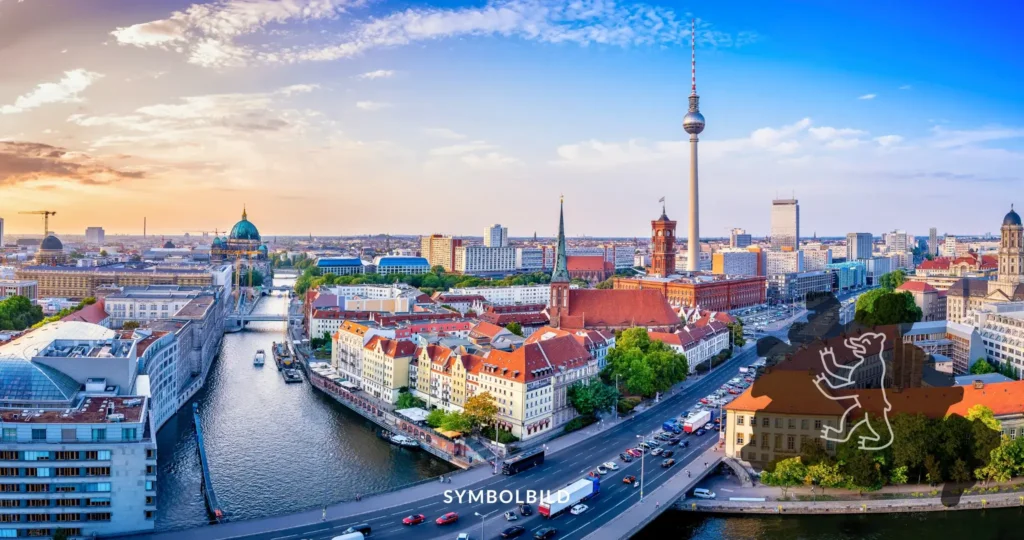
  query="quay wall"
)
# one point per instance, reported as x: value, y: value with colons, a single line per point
x: 881, y: 506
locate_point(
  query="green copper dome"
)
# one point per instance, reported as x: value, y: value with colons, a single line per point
x: 244, y: 230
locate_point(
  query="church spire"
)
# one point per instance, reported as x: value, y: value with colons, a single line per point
x: 561, y: 272
x: 244, y: 215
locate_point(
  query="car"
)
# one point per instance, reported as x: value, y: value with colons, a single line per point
x: 625, y: 457
x: 362, y: 528
x: 578, y: 509
x: 668, y: 453
x: 414, y: 519
x: 734, y: 391
x: 463, y: 536
x: 545, y: 533
x: 629, y: 479
x: 513, y: 532
x: 634, y: 452
x: 704, y: 400
x: 702, y: 493
x: 644, y: 445
x: 699, y: 432
x: 610, y: 465
x: 666, y: 463
x: 684, y: 415
x: 675, y: 440
x: 654, y: 444
x: 511, y: 516
x: 665, y: 435
x: 447, y: 519
x: 601, y: 470
x: 718, y: 427
x: 708, y: 426
x: 656, y: 452
x: 684, y: 444
x: 525, y: 509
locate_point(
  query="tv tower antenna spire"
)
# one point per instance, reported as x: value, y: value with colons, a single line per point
x: 693, y: 56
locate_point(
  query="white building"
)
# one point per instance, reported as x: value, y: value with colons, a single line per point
x: 953, y: 248
x: 877, y: 267
x: 342, y: 266
x: 619, y: 255
x: 508, y: 296
x: 817, y: 259
x: 151, y: 303
x: 95, y: 235
x: 485, y: 260
x: 348, y: 344
x: 530, y: 259
x: 704, y: 263
x: 784, y: 262
x: 496, y: 236
x: 785, y: 224
x: 19, y: 287
x: 897, y: 241
x: 1002, y: 333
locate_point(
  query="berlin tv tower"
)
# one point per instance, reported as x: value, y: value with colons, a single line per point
x: 693, y: 123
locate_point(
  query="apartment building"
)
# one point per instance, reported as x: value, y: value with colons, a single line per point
x: 698, y: 342
x: 348, y: 344
x: 734, y: 262
x: 485, y: 260
x: 784, y: 262
x: 386, y: 367
x: 817, y: 258
x: 439, y: 250
x: 508, y: 296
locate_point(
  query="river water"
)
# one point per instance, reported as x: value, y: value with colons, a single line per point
x: 273, y: 447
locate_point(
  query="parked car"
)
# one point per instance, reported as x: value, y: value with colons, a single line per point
x: 525, y: 509
x: 578, y: 509
x: 625, y: 457
x: 702, y: 493
x: 610, y: 465
x: 629, y: 479
x: 511, y: 516
x: 414, y: 519
x: 513, y: 532
x: 668, y: 453
x: 447, y: 519
x: 708, y: 426
x: 675, y: 440
x: 601, y: 470
x: 545, y: 533
x: 656, y: 452
x: 666, y: 463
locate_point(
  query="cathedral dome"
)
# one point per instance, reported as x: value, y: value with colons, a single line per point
x: 1011, y: 218
x: 52, y: 243
x: 168, y: 245
x: 244, y: 230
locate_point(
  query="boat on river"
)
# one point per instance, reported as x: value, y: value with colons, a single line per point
x: 399, y: 440
x: 260, y: 358
x: 292, y: 376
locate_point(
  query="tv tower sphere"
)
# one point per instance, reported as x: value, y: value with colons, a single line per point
x: 693, y: 122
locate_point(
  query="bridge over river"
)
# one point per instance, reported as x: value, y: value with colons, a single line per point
x: 616, y: 512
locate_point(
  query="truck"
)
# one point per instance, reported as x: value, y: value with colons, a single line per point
x: 696, y: 421
x: 559, y: 501
x: 671, y: 426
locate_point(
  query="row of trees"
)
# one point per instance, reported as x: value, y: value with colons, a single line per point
x: 885, y: 306
x: 19, y: 313
x: 436, y: 279
x: 642, y: 365
x: 982, y: 367
x: 479, y: 410
x: 930, y: 450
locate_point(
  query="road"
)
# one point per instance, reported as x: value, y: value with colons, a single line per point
x: 560, y: 468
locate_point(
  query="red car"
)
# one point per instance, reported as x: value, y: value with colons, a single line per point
x: 734, y: 391
x: 447, y: 519
x: 628, y: 479
x: 634, y: 452
x: 414, y: 519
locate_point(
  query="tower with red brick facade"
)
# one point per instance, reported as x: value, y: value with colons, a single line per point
x: 558, y: 304
x: 663, y: 246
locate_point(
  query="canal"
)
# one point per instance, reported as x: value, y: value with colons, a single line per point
x: 273, y: 447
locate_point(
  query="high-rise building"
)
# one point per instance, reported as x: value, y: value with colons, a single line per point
x: 785, y: 224
x: 693, y: 123
x: 933, y: 241
x: 738, y: 238
x: 663, y: 250
x: 1, y: 233
x: 95, y: 235
x: 439, y: 250
x: 897, y: 241
x: 817, y: 259
x: 496, y: 236
x: 485, y: 260
x: 784, y: 262
x: 734, y: 262
x: 858, y: 246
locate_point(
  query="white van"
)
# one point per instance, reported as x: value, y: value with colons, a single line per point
x: 702, y: 493
x: 350, y: 536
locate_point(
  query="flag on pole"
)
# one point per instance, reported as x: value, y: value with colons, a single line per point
x: 661, y: 199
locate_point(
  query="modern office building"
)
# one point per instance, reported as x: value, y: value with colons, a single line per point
x: 794, y: 287
x: 95, y: 235
x: 496, y: 236
x: 785, y: 224
x: 859, y: 246
x: 784, y: 262
x: 439, y: 250
x: 393, y: 264
x: 480, y: 260
x: 850, y: 275
x: 738, y: 238
x: 734, y: 262
x: 530, y: 259
x: 342, y: 266
x: 817, y: 258
x: 933, y: 241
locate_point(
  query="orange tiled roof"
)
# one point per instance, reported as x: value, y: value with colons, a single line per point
x: 612, y: 307
x: 486, y: 329
x: 536, y: 360
x: 585, y: 263
x: 394, y: 348
x: 916, y: 286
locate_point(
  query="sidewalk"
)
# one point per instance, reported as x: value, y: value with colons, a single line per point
x: 727, y: 487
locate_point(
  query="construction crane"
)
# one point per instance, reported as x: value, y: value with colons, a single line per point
x: 46, y: 219
x: 215, y: 232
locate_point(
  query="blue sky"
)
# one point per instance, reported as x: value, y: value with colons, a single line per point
x: 358, y: 116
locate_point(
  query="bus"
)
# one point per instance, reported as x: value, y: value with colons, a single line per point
x: 520, y: 463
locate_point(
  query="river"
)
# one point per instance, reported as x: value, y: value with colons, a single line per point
x: 273, y: 447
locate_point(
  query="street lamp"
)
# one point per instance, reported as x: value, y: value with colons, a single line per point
x: 482, y: 517
x: 643, y: 453
x: 616, y: 396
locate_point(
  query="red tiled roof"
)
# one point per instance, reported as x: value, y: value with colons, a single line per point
x: 938, y: 263
x: 585, y: 263
x: 93, y: 313
x: 536, y: 360
x: 624, y: 308
x: 486, y: 329
x: 395, y: 348
x: 446, y: 298
x: 916, y: 286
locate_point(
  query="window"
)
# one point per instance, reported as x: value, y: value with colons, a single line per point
x: 9, y: 503
x: 766, y: 422
x: 38, y: 434
x: 778, y: 423
x: 103, y: 455
x: 99, y: 434
x: 150, y: 469
x: 66, y: 488
x: 739, y: 439
x: 97, y: 471
x: 804, y: 424
x: 10, y: 434
x: 1013, y: 433
x: 37, y: 488
x: 98, y: 501
x: 150, y: 500
x: 37, y: 503
x: 792, y: 423
x: 98, y: 487
x: 790, y: 442
x: 98, y: 516
x: 150, y: 514
x: 69, y: 517
x: 739, y: 420
x: 69, y: 435
x: 69, y: 502
x: 66, y: 456
x: 8, y: 471
x: 36, y: 455
x: 150, y: 485
x: 817, y: 425
x: 778, y: 442
x: 8, y: 455
x: 42, y: 472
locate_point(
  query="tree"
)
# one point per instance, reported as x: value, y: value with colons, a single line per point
x: 898, y: 475
x: 591, y: 398
x: 985, y: 416
x: 982, y: 367
x: 959, y: 473
x: 103, y: 253
x: 887, y: 308
x: 130, y: 325
x: 435, y: 418
x: 813, y: 452
x: 456, y: 421
x: 61, y: 534
x: 515, y: 328
x: 19, y: 313
x: 788, y: 473
x: 606, y: 284
x: 933, y: 469
x: 737, y: 333
x: 910, y: 445
x: 892, y: 280
x: 407, y: 401
x: 645, y: 366
x: 826, y: 475
x: 480, y: 409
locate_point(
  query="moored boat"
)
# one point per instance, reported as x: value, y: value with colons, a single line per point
x: 260, y: 358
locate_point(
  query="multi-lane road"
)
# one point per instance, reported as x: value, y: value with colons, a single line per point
x: 560, y: 468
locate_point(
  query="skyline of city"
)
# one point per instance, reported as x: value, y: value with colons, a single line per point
x: 129, y: 112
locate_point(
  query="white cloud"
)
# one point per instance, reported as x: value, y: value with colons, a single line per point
x: 66, y: 90
x: 372, y: 105
x: 905, y: 87
x: 462, y: 149
x: 948, y: 138
x: 378, y: 74
x: 868, y: 96
x: 209, y: 33
x: 444, y: 133
x: 888, y: 140
x: 831, y: 133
